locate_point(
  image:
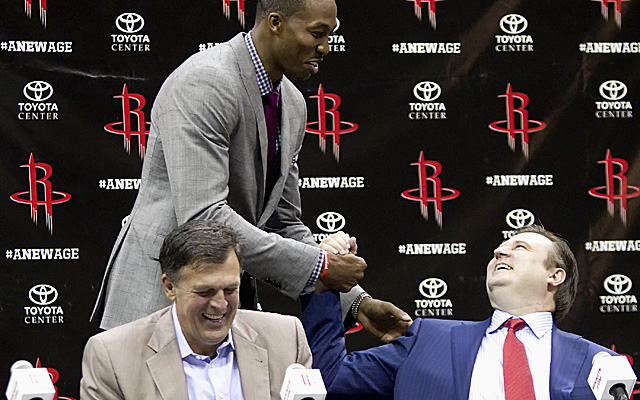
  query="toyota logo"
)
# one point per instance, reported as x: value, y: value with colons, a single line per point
x: 330, y: 221
x: 427, y: 91
x: 129, y: 22
x: 43, y: 295
x: 37, y: 91
x: 613, y: 90
x: 337, y: 25
x: 513, y: 24
x: 520, y: 218
x: 617, y: 284
x: 433, y: 288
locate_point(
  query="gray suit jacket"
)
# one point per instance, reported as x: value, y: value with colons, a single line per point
x: 141, y: 360
x: 206, y: 159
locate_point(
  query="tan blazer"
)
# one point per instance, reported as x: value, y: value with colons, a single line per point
x: 141, y: 359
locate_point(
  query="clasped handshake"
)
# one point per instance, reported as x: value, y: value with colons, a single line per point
x: 344, y: 269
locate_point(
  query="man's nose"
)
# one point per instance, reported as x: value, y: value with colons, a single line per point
x: 501, y: 251
x: 323, y: 47
x: 218, y: 301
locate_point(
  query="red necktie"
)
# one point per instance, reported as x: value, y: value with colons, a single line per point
x: 518, y: 384
x: 271, y: 118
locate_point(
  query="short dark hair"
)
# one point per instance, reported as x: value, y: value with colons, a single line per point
x: 283, y: 7
x: 561, y: 257
x: 196, y: 242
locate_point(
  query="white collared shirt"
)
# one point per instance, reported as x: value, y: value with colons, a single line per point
x: 209, y: 379
x: 487, y: 382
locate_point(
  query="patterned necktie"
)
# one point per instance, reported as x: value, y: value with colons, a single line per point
x: 518, y: 384
x: 271, y: 118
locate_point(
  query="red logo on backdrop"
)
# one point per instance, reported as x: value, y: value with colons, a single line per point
x: 436, y: 188
x: 509, y: 125
x: 53, y: 373
x: 33, y: 199
x: 43, y: 10
x: 608, y: 191
x: 323, y: 129
x: 417, y: 8
x: 127, y: 112
x: 604, y: 9
x: 226, y: 10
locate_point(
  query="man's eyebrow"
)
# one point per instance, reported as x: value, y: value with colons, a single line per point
x: 319, y: 24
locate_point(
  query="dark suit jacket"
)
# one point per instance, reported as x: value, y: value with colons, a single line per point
x: 434, y: 361
x: 206, y: 159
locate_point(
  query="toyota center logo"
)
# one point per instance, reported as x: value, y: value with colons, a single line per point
x: 129, y: 22
x: 427, y: 91
x: 38, y: 91
x: 433, y: 288
x: 513, y: 24
x: 330, y: 221
x: 43, y: 294
x: 613, y: 90
x: 520, y: 218
x: 617, y: 284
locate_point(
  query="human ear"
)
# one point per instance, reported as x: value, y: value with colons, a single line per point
x: 169, y: 287
x: 557, y: 276
x: 275, y: 21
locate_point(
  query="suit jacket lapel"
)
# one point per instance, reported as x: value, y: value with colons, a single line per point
x: 250, y: 82
x: 253, y: 362
x: 567, y: 357
x: 465, y: 343
x: 166, y: 365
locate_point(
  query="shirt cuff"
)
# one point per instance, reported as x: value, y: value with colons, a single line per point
x: 317, y: 270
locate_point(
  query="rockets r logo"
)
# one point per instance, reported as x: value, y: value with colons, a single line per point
x: 322, y: 130
x: 126, y: 121
x: 609, y: 192
x: 43, y: 10
x: 417, y: 9
x: 226, y: 10
x: 604, y: 9
x: 423, y: 189
x: 48, y: 200
x: 510, y: 127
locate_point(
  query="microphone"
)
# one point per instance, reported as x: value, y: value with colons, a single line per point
x: 28, y: 383
x: 302, y: 384
x: 611, y: 377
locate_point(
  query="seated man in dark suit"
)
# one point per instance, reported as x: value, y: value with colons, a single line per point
x: 201, y: 346
x: 532, y: 277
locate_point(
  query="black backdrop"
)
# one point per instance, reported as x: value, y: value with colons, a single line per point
x: 430, y: 86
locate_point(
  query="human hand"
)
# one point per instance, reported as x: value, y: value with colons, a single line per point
x: 339, y: 243
x: 383, y: 319
x: 344, y: 272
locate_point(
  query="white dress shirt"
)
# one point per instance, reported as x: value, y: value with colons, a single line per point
x: 209, y: 379
x: 487, y: 381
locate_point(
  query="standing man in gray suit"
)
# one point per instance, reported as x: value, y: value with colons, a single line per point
x: 202, y: 346
x: 227, y: 127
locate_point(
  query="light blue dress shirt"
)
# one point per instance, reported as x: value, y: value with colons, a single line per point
x: 209, y: 379
x: 487, y: 382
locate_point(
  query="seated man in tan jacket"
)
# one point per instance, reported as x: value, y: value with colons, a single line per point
x: 202, y: 346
